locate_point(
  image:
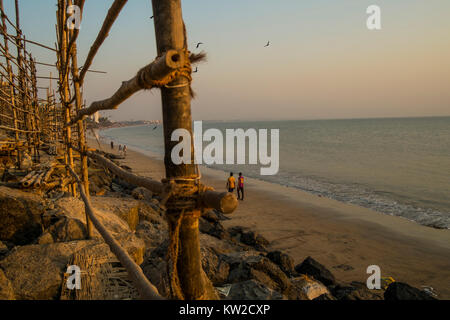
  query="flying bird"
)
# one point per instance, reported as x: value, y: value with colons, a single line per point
x: 196, y: 70
x: 155, y: 128
x: 198, y: 44
x: 151, y: 17
x: 268, y: 44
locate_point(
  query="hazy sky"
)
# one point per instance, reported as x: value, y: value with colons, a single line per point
x: 323, y: 62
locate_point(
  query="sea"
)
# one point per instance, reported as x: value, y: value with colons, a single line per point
x: 395, y: 166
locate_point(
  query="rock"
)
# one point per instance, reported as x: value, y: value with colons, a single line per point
x: 50, y: 217
x: 125, y: 186
x: 20, y: 216
x: 211, y: 216
x: 325, y: 297
x: 214, y: 266
x: 36, y: 271
x: 214, y: 229
x: 305, y: 288
x: 355, y: 291
x: 152, y: 234
x: 46, y: 238
x: 313, y: 268
x: 344, y: 267
x: 155, y: 269
x: 148, y: 213
x: 126, y: 209
x: 252, y: 290
x: 3, y: 249
x: 141, y: 193
x: 245, y: 266
x: 73, y: 208
x: 68, y: 229
x: 402, y: 291
x: 255, y: 240
x: 285, y: 262
x: 6, y: 289
x: 133, y: 245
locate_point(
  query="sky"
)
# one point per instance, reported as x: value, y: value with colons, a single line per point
x: 323, y: 62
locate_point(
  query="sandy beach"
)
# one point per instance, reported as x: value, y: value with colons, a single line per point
x: 345, y: 238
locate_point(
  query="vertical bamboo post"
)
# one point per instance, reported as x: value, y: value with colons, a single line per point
x: 37, y: 122
x: 11, y: 87
x: 81, y: 131
x: 22, y: 80
x: 64, y: 85
x: 176, y: 101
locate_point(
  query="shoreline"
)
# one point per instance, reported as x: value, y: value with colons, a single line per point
x: 344, y: 237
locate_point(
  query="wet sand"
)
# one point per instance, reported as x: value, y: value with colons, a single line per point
x: 345, y: 238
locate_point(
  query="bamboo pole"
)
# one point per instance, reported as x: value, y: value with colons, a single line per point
x: 157, y: 70
x: 176, y: 100
x: 225, y: 202
x: 111, y: 17
x: 146, y: 289
x: 64, y: 84
x: 11, y: 81
x: 81, y: 131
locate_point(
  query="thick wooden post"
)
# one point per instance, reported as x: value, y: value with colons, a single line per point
x: 176, y: 101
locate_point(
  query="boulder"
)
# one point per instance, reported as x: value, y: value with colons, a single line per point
x: 133, y: 245
x: 125, y: 208
x: 36, y: 271
x: 215, y: 267
x: 314, y: 269
x: 255, y: 240
x: 141, y: 193
x: 305, y: 288
x: 355, y: 291
x: 46, y: 238
x: 6, y: 289
x: 252, y: 290
x: 152, y: 234
x: 284, y: 261
x: 73, y: 208
x: 68, y: 229
x: 214, y: 229
x: 402, y: 291
x: 155, y: 269
x: 20, y: 216
x: 247, y: 266
x: 3, y: 249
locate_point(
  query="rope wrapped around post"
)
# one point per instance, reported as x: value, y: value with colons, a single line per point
x: 159, y: 73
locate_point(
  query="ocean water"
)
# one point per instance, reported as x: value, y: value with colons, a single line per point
x: 395, y: 166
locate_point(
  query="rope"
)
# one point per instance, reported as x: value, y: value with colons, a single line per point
x: 184, y: 71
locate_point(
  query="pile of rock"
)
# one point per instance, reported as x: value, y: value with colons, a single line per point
x: 241, y: 267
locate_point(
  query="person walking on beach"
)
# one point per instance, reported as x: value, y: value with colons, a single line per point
x: 240, y: 187
x: 124, y: 150
x: 112, y: 145
x: 231, y: 183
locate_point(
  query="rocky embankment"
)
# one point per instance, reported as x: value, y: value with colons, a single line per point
x: 40, y: 235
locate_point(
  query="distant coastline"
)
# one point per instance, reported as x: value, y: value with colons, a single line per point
x: 106, y: 124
